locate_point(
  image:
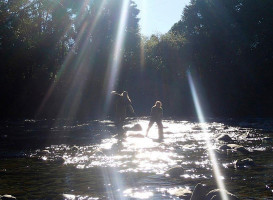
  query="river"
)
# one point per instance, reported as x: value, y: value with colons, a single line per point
x: 58, y: 159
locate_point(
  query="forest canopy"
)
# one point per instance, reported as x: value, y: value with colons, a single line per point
x: 56, y: 58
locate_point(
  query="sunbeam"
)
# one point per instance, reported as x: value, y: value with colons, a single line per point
x: 212, y: 156
x: 74, y: 95
x: 115, y: 57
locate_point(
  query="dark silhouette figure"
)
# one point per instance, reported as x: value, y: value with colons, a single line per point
x: 122, y: 102
x: 156, y: 116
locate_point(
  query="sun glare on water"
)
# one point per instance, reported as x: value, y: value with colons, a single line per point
x: 216, y: 169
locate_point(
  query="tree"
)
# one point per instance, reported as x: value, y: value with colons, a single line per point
x: 225, y: 37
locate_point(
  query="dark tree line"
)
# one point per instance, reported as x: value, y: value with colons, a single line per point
x: 56, y: 56
x: 228, y: 46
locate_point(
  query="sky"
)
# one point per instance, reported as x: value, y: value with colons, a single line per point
x: 158, y: 16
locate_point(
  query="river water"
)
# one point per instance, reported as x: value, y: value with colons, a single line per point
x: 58, y: 159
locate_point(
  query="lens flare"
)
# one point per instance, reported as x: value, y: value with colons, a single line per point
x: 212, y: 156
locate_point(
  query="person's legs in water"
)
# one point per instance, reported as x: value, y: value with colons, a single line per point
x: 160, y: 129
x: 149, y: 126
x: 120, y: 118
x: 120, y: 115
x: 119, y: 123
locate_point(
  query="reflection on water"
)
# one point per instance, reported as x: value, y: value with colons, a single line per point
x: 134, y: 193
x: 90, y: 162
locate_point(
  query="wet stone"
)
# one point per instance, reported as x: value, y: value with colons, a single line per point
x: 216, y: 195
x: 7, y: 197
x: 233, y: 146
x: 239, y: 148
x: 199, y: 192
x: 244, y: 163
x: 225, y: 138
x: 242, y: 149
x: 43, y: 152
x: 175, y: 172
x: 224, y: 147
x: 136, y: 127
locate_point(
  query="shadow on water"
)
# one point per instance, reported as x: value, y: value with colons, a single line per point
x: 88, y: 160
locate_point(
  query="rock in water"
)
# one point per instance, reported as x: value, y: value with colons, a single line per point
x: 175, y: 172
x: 234, y: 146
x: 136, y: 127
x: 216, y: 195
x: 244, y: 163
x: 7, y: 197
x: 224, y: 147
x: 199, y: 192
x: 238, y: 148
x: 43, y: 152
x: 225, y: 138
x: 242, y: 149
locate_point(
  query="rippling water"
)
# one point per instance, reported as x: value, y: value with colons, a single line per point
x: 61, y: 160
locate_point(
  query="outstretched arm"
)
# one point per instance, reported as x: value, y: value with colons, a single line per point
x: 131, y: 109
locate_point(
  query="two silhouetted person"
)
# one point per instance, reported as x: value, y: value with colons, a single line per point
x: 122, y: 103
x: 156, y: 116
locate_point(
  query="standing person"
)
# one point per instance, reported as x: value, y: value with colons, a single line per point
x: 156, y: 116
x: 122, y: 102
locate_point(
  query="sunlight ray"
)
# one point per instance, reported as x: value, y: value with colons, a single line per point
x: 83, y: 69
x: 212, y: 156
x: 80, y: 65
x: 115, y: 57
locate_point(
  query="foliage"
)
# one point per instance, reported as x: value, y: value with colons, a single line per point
x: 227, y: 39
x: 56, y: 58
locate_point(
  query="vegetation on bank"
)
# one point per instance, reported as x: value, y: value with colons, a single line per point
x: 56, y: 55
